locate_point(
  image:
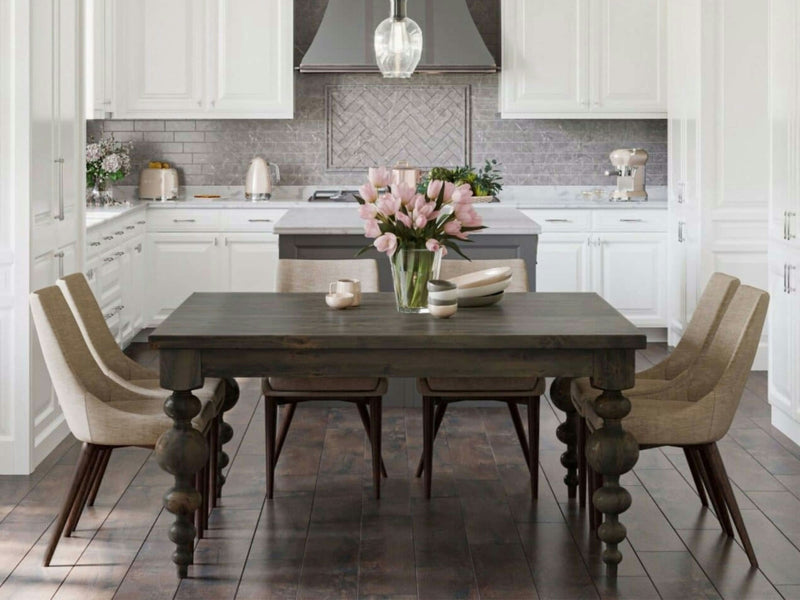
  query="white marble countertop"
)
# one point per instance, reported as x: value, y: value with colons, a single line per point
x: 335, y: 221
x: 288, y: 197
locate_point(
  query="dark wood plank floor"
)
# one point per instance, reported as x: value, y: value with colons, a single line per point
x: 324, y: 536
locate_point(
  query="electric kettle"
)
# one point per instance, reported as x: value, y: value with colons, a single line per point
x: 261, y: 176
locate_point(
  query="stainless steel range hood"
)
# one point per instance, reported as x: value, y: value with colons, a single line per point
x: 344, y: 41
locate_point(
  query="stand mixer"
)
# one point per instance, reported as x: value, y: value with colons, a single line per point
x: 629, y: 170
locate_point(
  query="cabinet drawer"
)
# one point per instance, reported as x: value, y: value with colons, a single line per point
x: 260, y: 219
x: 181, y: 219
x: 631, y: 220
x: 561, y: 219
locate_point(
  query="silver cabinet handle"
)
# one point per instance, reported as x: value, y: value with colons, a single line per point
x: 95, y: 244
x: 60, y: 257
x: 226, y: 242
x: 183, y: 220
x: 789, y: 288
x: 138, y: 248
x: 141, y: 222
x: 108, y: 238
x: 259, y: 220
x: 786, y: 224
x: 109, y: 315
x: 681, y: 238
x: 90, y: 274
x: 118, y: 254
x: 557, y: 221
x: 681, y: 192
x: 60, y: 163
x: 119, y: 308
x: 631, y: 220
x: 216, y: 241
x: 108, y: 259
x: 785, y: 278
x: 129, y: 227
x: 790, y: 215
x: 119, y: 233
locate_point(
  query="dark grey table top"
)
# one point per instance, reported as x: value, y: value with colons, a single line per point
x: 304, y: 322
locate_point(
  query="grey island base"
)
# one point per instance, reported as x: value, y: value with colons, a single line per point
x: 230, y: 335
x: 338, y: 233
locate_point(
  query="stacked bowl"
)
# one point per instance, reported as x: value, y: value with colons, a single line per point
x: 442, y: 298
x: 482, y: 288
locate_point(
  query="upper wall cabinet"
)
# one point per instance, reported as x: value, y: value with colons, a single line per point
x: 598, y: 59
x: 202, y: 59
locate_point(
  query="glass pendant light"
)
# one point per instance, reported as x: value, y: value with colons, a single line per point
x: 398, y: 43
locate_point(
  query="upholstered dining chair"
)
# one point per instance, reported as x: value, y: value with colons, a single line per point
x: 126, y: 372
x: 100, y: 413
x: 438, y: 392
x: 696, y: 339
x: 697, y: 409
x: 314, y: 276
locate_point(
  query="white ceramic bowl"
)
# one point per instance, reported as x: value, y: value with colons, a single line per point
x: 339, y: 300
x: 442, y: 312
x: 480, y: 278
x: 484, y: 290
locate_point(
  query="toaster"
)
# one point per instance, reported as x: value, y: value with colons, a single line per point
x: 158, y: 184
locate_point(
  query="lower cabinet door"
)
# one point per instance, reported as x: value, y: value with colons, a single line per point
x: 630, y: 272
x: 784, y: 332
x: 251, y: 261
x: 134, y: 293
x: 562, y: 263
x: 179, y: 265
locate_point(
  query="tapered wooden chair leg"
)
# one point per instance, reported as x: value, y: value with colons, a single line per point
x: 581, y: 450
x: 98, y: 479
x: 69, y: 500
x: 271, y: 418
x: 519, y: 428
x: 730, y: 501
x: 83, y: 492
x: 376, y: 430
x: 427, y: 442
x: 713, y: 489
x: 691, y: 459
x: 213, y: 490
x: 441, y: 408
x: 533, y: 444
x: 286, y: 422
x: 365, y: 420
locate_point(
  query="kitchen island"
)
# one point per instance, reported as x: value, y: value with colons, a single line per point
x: 338, y: 233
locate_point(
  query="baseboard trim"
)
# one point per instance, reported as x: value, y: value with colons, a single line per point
x: 786, y: 425
x: 47, y: 441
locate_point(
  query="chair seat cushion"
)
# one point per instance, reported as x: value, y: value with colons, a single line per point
x: 658, y: 422
x: 326, y: 385
x: 533, y: 386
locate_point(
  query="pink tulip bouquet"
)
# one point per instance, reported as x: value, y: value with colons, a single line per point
x: 415, y: 230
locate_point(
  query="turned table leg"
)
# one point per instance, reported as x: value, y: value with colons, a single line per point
x: 225, y: 431
x: 612, y: 451
x: 567, y: 432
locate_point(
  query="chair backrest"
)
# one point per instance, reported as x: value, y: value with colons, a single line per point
x: 298, y: 276
x: 101, y: 342
x: 519, y: 274
x: 720, y: 374
x: 80, y: 384
x: 701, y: 328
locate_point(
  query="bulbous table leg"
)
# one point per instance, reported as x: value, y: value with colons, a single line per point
x: 611, y: 452
x: 182, y: 451
x: 567, y: 432
x: 225, y: 430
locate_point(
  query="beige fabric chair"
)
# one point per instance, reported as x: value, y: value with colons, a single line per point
x: 314, y: 276
x: 99, y: 412
x: 698, y: 412
x: 665, y: 376
x: 439, y: 392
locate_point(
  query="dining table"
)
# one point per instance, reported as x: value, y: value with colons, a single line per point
x: 561, y: 335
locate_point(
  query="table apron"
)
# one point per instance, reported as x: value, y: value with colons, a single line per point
x: 185, y: 369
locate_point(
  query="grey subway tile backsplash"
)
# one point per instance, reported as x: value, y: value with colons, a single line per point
x: 531, y: 152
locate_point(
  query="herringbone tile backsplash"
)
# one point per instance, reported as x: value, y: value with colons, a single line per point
x: 345, y: 123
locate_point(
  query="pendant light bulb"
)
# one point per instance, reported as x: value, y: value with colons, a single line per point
x: 398, y: 43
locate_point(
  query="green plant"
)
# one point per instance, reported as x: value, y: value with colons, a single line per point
x: 486, y: 181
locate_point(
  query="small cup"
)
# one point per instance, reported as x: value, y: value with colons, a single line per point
x: 339, y: 300
x: 347, y: 286
x: 442, y: 291
x: 442, y: 312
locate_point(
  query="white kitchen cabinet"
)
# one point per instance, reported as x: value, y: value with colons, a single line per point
x: 98, y: 52
x: 203, y: 59
x: 563, y: 263
x: 784, y: 333
x: 180, y: 264
x: 628, y: 272
x: 251, y: 261
x: 583, y: 59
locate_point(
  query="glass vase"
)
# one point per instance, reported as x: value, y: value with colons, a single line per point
x: 412, y: 269
x: 101, y: 194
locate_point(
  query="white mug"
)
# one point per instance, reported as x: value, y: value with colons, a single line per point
x: 350, y: 286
